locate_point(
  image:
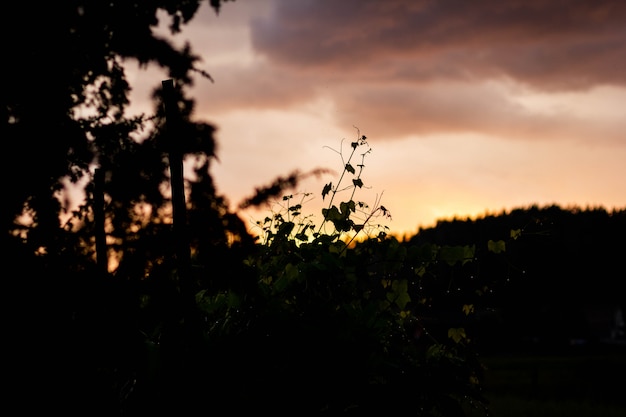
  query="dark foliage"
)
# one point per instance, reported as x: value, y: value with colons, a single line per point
x: 559, y: 280
x: 74, y: 344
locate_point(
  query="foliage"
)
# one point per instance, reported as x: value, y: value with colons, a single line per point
x: 556, y: 279
x: 65, y: 101
x: 341, y: 225
x: 345, y: 325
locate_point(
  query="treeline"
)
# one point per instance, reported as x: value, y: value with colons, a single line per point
x: 560, y: 280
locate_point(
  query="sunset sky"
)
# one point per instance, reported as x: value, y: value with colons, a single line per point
x: 469, y: 107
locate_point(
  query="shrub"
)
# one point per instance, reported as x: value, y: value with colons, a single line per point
x: 340, y: 324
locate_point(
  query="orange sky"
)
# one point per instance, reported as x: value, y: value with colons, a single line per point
x: 469, y: 107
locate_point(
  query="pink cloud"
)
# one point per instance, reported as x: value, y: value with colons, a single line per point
x: 402, y: 69
x: 545, y: 44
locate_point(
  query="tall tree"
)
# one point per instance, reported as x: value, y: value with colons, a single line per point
x: 65, y: 93
x: 65, y: 96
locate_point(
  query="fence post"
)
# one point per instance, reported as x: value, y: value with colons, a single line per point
x: 102, y: 258
x: 175, y: 156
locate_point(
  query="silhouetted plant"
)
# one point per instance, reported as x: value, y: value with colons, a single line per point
x: 341, y: 324
x: 341, y: 224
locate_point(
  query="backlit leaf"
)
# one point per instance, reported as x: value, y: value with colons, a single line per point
x: 496, y: 246
x: 327, y: 188
x: 457, y: 334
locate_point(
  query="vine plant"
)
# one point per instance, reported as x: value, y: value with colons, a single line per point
x: 372, y: 319
x: 348, y: 220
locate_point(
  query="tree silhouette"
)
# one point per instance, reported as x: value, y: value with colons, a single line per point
x: 74, y: 334
x: 561, y: 262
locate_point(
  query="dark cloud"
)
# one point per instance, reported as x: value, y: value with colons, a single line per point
x: 401, y: 69
x: 550, y: 44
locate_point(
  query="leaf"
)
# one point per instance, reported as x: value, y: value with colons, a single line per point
x: 468, y: 309
x: 302, y: 236
x: 457, y: 334
x: 400, y: 293
x: 233, y: 300
x: 454, y: 254
x: 422, y: 253
x: 327, y: 188
x: 496, y: 246
x: 357, y: 182
x: 344, y: 225
x: 350, y: 168
x: 331, y: 213
x: 347, y: 207
x: 435, y: 351
x: 337, y: 247
x: 420, y: 270
x: 395, y: 255
x: 290, y: 274
x: 469, y: 252
x: 285, y: 229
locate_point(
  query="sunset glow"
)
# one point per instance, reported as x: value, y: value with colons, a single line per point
x: 469, y: 107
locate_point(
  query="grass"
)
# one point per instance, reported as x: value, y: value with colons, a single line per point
x: 572, y: 384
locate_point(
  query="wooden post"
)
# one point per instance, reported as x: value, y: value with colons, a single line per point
x: 179, y: 211
x: 102, y: 258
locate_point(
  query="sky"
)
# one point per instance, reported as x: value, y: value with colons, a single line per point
x: 469, y: 107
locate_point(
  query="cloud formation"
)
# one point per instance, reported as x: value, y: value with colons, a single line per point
x: 545, y: 44
x: 412, y: 68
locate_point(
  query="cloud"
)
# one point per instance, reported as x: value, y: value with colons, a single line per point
x: 253, y: 86
x: 490, y: 108
x: 549, y: 45
x: 520, y: 70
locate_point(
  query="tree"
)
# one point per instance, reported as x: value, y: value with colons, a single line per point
x: 65, y: 96
x: 559, y: 263
x: 64, y: 102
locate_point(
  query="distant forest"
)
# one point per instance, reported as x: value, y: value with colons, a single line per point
x: 562, y: 279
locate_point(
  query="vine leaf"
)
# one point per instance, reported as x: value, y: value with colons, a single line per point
x: 327, y: 188
x: 468, y: 309
x: 457, y: 334
x: 399, y: 293
x: 496, y: 246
